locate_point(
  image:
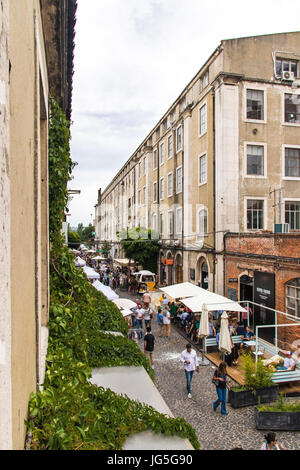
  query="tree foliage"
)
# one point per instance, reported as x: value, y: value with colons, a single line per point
x: 141, y: 245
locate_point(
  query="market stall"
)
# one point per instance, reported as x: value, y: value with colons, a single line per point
x: 91, y: 273
x: 106, y: 290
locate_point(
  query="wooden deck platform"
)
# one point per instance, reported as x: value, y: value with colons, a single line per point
x: 236, y: 373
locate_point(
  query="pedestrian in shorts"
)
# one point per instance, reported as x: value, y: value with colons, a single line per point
x: 149, y: 345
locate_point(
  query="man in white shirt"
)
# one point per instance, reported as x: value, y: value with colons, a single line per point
x: 139, y: 321
x: 190, y: 361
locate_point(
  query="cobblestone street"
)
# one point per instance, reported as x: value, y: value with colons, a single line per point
x: 215, y: 432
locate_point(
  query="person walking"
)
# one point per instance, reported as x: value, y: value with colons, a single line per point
x: 149, y: 345
x: 221, y: 382
x: 148, y: 314
x: 271, y: 442
x: 190, y: 361
x: 146, y: 299
x: 167, y: 322
x: 160, y: 321
x: 139, y: 321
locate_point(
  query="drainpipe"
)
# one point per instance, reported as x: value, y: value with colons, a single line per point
x: 182, y: 195
x: 214, y: 191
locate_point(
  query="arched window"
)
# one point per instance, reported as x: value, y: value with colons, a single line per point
x: 293, y: 297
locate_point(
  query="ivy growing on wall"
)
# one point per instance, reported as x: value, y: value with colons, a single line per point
x: 70, y: 412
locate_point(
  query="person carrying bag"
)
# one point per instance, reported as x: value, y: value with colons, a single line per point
x: 220, y: 380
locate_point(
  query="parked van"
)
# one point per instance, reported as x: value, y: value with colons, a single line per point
x: 146, y: 281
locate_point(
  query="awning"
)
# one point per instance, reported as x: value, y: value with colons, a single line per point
x: 90, y: 273
x: 182, y: 290
x: 79, y: 262
x: 124, y: 261
x: 99, y: 258
x: 194, y: 297
x: 126, y: 312
x: 124, y: 303
x: 213, y: 302
x: 106, y: 290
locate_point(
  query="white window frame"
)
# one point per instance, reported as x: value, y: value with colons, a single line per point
x: 178, y: 210
x: 178, y: 168
x: 170, y: 190
x: 162, y: 186
x: 251, y: 86
x: 170, y: 222
x: 199, y: 169
x: 139, y: 170
x: 203, y: 84
x: 161, y: 224
x: 170, y: 137
x: 179, y: 149
x: 155, y: 195
x: 203, y: 105
x: 288, y: 178
x: 154, y: 222
x: 162, y: 153
x: 199, y: 233
x: 155, y: 161
x: 289, y: 92
x: 258, y: 144
x: 139, y: 197
x: 144, y: 165
x: 289, y: 199
x: 144, y: 195
x: 265, y: 213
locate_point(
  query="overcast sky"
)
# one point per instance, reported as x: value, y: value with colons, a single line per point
x: 132, y: 60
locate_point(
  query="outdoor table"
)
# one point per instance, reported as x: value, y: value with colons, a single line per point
x: 249, y: 343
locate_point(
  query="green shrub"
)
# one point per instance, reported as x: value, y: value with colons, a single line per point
x: 282, y: 404
x: 257, y: 375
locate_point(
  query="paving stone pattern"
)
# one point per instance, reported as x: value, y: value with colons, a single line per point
x: 214, y: 431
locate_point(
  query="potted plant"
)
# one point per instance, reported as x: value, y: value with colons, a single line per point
x: 282, y: 416
x: 258, y: 387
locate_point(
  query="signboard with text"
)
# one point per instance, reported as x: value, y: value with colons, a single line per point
x: 264, y: 294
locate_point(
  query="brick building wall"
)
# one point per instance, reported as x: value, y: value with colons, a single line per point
x: 278, y: 254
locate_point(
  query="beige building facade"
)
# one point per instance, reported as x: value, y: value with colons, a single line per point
x: 225, y: 157
x: 24, y: 95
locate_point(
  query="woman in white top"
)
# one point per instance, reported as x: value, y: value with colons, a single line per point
x: 167, y: 322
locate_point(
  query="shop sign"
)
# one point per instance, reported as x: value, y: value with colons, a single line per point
x: 168, y: 262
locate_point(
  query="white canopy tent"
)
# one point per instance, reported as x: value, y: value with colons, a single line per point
x: 126, y: 312
x: 106, y: 290
x: 194, y: 297
x: 91, y: 273
x: 99, y: 258
x: 182, y: 290
x: 213, y: 302
x: 124, y: 303
x: 79, y: 262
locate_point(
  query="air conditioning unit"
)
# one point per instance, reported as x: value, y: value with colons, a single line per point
x: 288, y: 76
x: 281, y: 228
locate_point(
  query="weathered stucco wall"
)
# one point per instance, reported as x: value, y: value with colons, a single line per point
x: 28, y: 157
x: 5, y: 308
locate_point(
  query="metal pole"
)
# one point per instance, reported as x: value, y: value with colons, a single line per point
x: 276, y: 336
x: 248, y: 322
x: 256, y: 343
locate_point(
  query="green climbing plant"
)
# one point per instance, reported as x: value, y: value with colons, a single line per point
x: 70, y: 412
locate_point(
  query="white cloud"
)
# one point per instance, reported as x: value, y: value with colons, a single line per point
x: 132, y: 60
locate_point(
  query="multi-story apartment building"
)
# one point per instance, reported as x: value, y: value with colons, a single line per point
x: 36, y: 59
x: 213, y: 163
